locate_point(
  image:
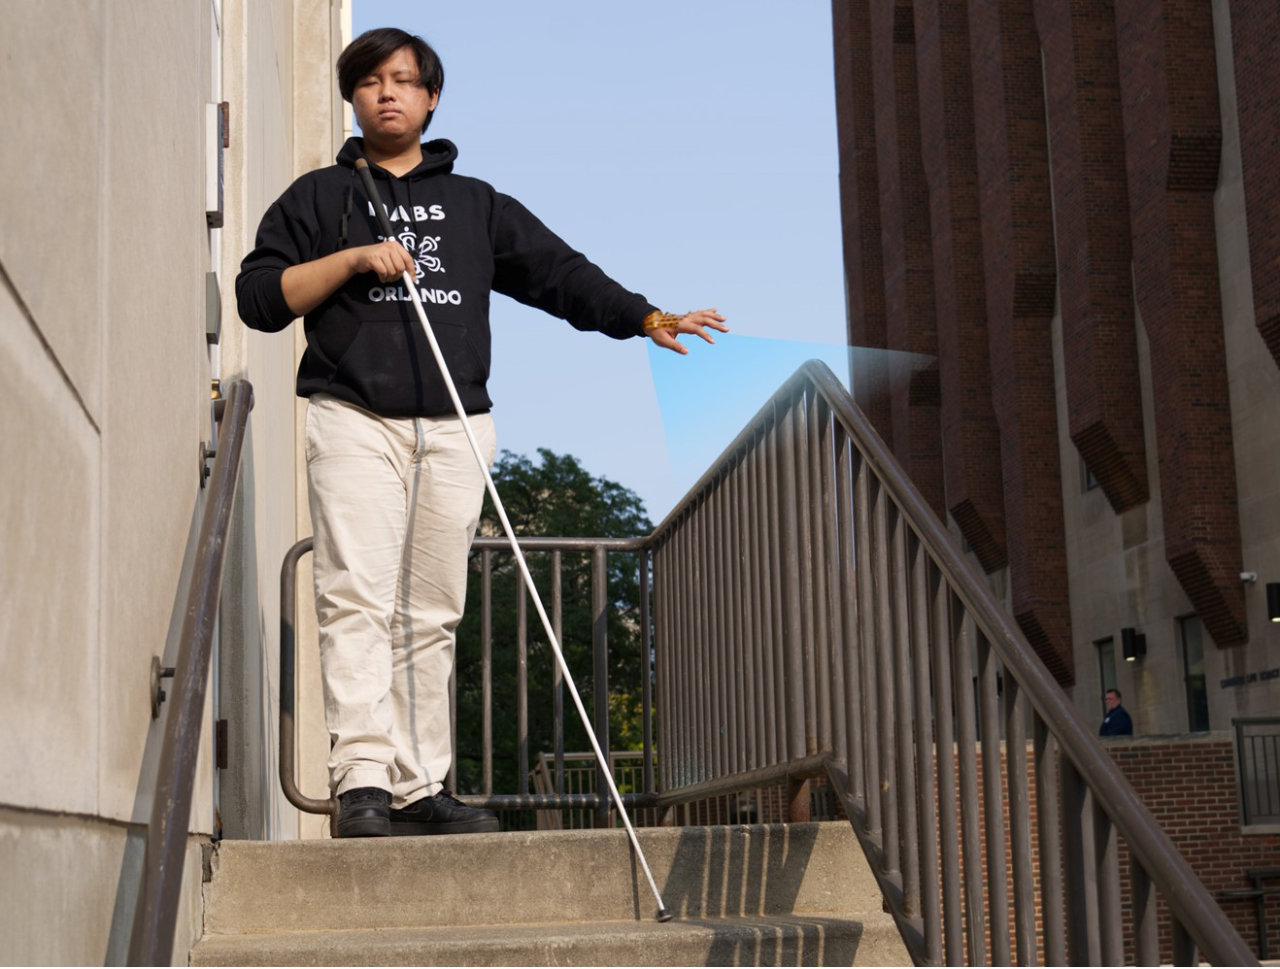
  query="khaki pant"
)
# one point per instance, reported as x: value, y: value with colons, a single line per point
x: 394, y: 504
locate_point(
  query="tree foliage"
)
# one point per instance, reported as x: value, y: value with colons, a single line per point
x: 554, y: 497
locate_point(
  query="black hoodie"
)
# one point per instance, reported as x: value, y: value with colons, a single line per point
x: 365, y: 344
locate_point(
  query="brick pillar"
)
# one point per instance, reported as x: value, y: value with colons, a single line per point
x: 1104, y: 398
x: 1170, y: 90
x: 907, y: 249
x: 860, y: 212
x: 970, y: 438
x: 1018, y: 258
x: 1254, y: 27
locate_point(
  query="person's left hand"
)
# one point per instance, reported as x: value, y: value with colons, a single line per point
x: 696, y: 322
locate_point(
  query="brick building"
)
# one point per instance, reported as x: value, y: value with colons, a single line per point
x: 1066, y: 209
x: 1070, y: 211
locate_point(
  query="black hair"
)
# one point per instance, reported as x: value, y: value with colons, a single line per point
x: 363, y: 55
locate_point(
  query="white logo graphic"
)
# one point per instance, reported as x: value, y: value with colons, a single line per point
x: 421, y: 250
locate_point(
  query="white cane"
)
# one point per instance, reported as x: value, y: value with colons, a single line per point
x: 362, y: 167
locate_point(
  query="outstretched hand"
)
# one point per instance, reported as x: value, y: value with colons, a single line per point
x: 697, y: 322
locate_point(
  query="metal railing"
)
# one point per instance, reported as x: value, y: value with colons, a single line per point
x: 555, y: 795
x: 813, y: 614
x: 151, y: 942
x: 1258, y: 757
x: 577, y: 773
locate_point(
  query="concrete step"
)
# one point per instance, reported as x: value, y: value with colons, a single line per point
x: 790, y: 892
x: 745, y: 941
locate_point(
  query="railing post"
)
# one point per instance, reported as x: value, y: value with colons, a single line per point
x: 798, y: 809
x: 1083, y: 943
x: 600, y: 652
x: 797, y: 718
x: 522, y: 685
x: 646, y: 672
x: 557, y: 675
x: 1184, y: 947
x: 1145, y: 927
x: 486, y: 668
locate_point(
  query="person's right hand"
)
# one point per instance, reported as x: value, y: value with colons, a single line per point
x: 387, y: 259
x: 308, y: 284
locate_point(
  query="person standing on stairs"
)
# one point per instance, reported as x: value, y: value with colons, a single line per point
x: 395, y: 493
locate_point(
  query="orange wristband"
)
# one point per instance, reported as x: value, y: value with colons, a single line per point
x: 657, y: 320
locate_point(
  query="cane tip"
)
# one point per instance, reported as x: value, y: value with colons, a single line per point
x: 664, y: 915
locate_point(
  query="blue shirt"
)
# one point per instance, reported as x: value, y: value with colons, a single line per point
x: 1116, y: 723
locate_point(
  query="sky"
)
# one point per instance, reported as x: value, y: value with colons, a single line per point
x: 689, y: 149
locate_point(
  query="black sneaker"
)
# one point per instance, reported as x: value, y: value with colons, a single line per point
x: 441, y: 814
x: 363, y: 813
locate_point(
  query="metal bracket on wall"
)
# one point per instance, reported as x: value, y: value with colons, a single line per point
x: 212, y: 309
x: 158, y: 673
x: 207, y: 454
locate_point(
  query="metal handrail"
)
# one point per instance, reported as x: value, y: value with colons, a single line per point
x: 289, y: 692
x: 599, y: 804
x: 151, y: 942
x: 808, y: 599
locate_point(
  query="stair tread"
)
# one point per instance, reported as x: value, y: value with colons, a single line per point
x: 405, y: 882
x: 742, y: 895
x: 775, y: 939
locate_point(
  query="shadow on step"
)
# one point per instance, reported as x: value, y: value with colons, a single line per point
x: 740, y: 870
x: 784, y: 941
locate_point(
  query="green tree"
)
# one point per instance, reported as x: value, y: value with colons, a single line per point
x: 555, y: 497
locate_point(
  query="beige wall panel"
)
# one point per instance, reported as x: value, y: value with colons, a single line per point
x: 278, y: 77
x: 49, y: 571
x: 155, y: 360
x: 259, y: 87
x: 86, y: 917
x: 51, y: 178
x: 257, y: 84
x: 316, y: 100
x: 318, y: 38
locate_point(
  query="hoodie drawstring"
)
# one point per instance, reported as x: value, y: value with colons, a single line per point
x: 347, y: 208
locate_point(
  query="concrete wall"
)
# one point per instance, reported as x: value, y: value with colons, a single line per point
x: 104, y: 251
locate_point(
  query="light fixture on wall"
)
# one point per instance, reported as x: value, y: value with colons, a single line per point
x: 1273, y: 601
x: 1134, y: 644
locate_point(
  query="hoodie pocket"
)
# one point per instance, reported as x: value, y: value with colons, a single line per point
x: 468, y: 362
x: 376, y: 365
x: 391, y: 369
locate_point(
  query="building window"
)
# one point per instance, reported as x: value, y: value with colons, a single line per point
x: 1191, y: 635
x: 1106, y: 665
x: 1087, y: 481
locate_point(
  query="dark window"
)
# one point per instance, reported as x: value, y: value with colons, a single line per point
x: 1106, y: 666
x: 1191, y: 634
x: 1087, y: 481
